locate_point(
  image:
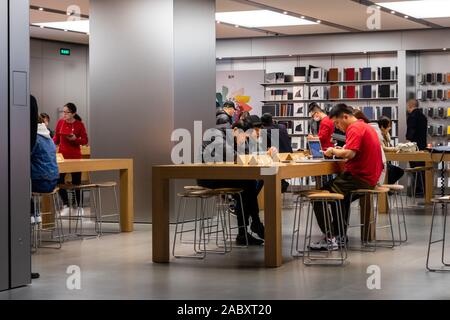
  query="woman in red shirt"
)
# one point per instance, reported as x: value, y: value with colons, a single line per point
x: 70, y: 135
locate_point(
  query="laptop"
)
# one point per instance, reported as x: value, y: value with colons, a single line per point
x: 315, y: 147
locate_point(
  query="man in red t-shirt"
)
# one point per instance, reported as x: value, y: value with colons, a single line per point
x: 362, y: 170
x: 326, y: 127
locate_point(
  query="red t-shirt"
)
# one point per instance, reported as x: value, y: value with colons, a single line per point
x: 367, y: 164
x: 326, y: 130
x: 70, y: 149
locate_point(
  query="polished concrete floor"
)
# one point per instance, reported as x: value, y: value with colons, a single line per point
x: 119, y: 266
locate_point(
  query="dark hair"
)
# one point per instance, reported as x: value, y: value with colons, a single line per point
x: 266, y: 119
x: 244, y: 115
x: 43, y: 115
x: 384, y: 122
x: 73, y: 109
x: 314, y: 106
x: 360, y: 115
x: 40, y: 119
x: 229, y: 104
x: 340, y: 109
x: 254, y: 121
x: 241, y: 124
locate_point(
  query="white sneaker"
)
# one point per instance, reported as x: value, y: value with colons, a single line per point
x: 65, y: 211
x: 325, y: 244
x: 38, y: 219
x: 33, y: 220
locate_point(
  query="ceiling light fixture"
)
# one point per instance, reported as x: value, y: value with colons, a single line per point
x: 41, y: 9
x: 285, y: 12
x: 406, y: 17
x: 218, y: 22
x: 318, y: 21
x: 236, y: 26
x: 81, y: 26
x: 302, y: 17
x: 260, y: 18
x: 421, y: 9
x: 42, y: 27
x: 393, y: 12
x: 445, y: 49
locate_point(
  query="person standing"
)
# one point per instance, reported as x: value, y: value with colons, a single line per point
x: 224, y: 115
x: 70, y: 135
x: 46, y: 118
x: 416, y: 131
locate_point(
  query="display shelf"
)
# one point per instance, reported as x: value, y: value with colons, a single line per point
x: 329, y: 100
x: 299, y: 83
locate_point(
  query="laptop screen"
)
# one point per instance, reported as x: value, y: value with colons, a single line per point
x: 316, y: 149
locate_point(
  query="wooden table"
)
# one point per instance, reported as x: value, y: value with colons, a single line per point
x: 272, y: 198
x: 421, y: 156
x: 125, y: 166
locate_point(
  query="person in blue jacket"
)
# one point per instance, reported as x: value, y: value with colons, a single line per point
x: 44, y: 169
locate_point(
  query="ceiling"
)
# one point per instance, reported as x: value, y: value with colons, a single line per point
x: 336, y: 16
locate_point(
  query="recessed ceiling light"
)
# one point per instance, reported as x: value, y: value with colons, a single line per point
x: 41, y: 9
x: 421, y: 9
x: 406, y: 17
x: 393, y: 12
x: 285, y: 12
x: 365, y: 52
x: 42, y: 27
x: 65, y: 30
x: 318, y: 21
x: 302, y: 17
x: 218, y: 21
x: 378, y: 7
x: 260, y: 18
x: 77, y: 25
x: 445, y: 49
x: 236, y: 26
x: 69, y: 13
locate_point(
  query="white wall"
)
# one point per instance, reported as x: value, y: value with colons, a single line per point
x: 56, y: 80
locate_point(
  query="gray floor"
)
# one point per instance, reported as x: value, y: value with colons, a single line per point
x: 120, y: 267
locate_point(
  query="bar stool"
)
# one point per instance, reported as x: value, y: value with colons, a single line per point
x: 301, y: 199
x: 224, y: 194
x: 200, y: 197
x: 396, y: 192
x: 324, y: 199
x: 443, y: 201
x: 415, y: 172
x: 82, y: 188
x: 52, y: 227
x: 372, y: 194
x: 100, y: 214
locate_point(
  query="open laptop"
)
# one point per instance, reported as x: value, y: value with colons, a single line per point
x: 315, y: 147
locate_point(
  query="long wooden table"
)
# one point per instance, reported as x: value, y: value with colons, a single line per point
x: 272, y: 198
x: 125, y: 166
x: 421, y: 156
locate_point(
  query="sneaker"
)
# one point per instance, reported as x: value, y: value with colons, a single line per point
x: 325, y: 244
x: 342, y: 241
x: 252, y: 241
x: 33, y: 221
x: 38, y: 219
x: 258, y: 228
x: 35, y: 275
x: 65, y: 211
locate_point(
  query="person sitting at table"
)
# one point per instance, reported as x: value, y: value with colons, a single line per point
x: 326, y: 127
x: 394, y: 172
x: 249, y: 194
x: 363, y: 168
x: 70, y: 135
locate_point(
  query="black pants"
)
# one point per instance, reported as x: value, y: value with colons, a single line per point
x: 420, y: 177
x: 249, y: 198
x: 344, y: 183
x: 76, y: 179
x: 394, y: 173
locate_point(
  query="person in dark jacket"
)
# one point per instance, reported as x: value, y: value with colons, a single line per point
x: 417, y: 124
x: 224, y: 115
x: 284, y: 138
x: 249, y: 195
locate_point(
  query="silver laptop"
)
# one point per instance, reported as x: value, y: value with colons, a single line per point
x: 315, y: 147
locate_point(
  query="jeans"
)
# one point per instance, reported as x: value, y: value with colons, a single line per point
x: 420, y: 177
x: 394, y: 173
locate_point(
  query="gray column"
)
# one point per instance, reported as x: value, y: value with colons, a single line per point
x: 152, y: 69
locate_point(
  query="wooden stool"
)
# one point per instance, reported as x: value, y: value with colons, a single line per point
x: 325, y: 199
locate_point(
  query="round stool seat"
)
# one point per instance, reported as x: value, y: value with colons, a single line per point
x: 305, y: 193
x: 393, y: 187
x: 325, y: 196
x: 108, y: 184
x: 228, y: 190
x: 444, y: 199
x: 193, y: 188
x: 376, y: 190
x: 198, y: 194
x: 417, y: 169
x: 39, y: 194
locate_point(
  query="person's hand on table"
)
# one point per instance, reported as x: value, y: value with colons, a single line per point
x: 272, y: 151
x: 329, y: 152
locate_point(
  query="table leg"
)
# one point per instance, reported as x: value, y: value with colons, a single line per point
x: 272, y: 221
x: 160, y: 217
x: 429, y: 183
x: 126, y: 200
